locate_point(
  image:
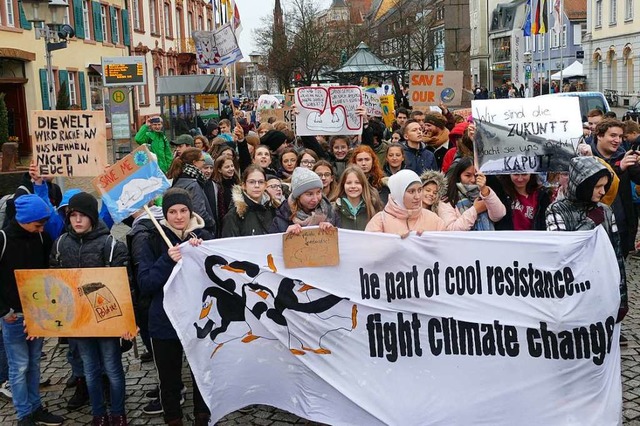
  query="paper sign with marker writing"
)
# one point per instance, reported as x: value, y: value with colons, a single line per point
x: 131, y: 183
x: 328, y: 111
x: 526, y: 135
x: 371, y: 101
x: 84, y: 302
x: 432, y: 87
x: 388, y: 109
x: 312, y: 247
x: 69, y: 143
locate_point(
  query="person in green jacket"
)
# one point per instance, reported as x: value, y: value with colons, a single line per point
x: 151, y: 133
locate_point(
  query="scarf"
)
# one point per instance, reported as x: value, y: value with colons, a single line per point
x: 394, y: 209
x: 196, y: 222
x: 468, y: 194
x: 194, y: 172
x: 322, y: 213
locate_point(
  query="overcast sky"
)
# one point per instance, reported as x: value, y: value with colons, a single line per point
x: 251, y: 14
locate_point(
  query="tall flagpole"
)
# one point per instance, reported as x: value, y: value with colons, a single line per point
x: 561, y: 20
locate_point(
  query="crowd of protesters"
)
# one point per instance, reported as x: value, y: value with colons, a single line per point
x: 245, y: 179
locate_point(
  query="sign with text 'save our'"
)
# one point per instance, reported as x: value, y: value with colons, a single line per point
x: 449, y: 328
x: 124, y: 71
x: 526, y: 135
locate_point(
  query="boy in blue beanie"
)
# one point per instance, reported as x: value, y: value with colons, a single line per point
x: 24, y: 245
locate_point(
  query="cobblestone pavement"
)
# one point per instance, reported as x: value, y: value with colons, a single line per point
x: 141, y: 378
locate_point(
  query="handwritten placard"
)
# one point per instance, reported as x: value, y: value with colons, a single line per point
x: 131, y: 183
x: 69, y: 143
x: 84, y: 302
x: 526, y: 135
x: 432, y: 87
x: 387, y: 103
x: 371, y: 101
x: 311, y: 248
x: 328, y: 111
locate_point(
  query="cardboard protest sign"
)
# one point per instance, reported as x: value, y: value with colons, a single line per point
x: 215, y: 49
x: 387, y: 103
x: 328, y: 111
x: 285, y: 115
x: 526, y: 135
x: 131, y: 183
x: 432, y: 87
x: 371, y: 101
x: 312, y: 247
x: 289, y: 99
x: 449, y: 328
x: 69, y: 143
x: 83, y: 302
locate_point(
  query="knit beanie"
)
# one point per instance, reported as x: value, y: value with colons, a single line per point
x: 398, y: 184
x: 458, y: 129
x: 436, y: 119
x: 175, y: 196
x: 86, y: 204
x: 67, y: 196
x: 273, y: 139
x: 31, y: 208
x: 208, y: 160
x: 302, y: 180
x: 184, y: 140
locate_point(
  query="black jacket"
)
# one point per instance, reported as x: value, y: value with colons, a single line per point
x: 247, y: 217
x: 95, y: 249
x: 24, y: 250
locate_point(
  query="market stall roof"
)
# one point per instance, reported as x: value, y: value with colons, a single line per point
x: 173, y: 85
x: 572, y: 71
x: 365, y: 62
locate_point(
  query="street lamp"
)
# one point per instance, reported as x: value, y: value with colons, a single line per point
x: 256, y: 59
x: 47, y: 17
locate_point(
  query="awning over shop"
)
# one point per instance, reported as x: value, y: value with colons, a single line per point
x: 97, y: 68
x: 174, y: 85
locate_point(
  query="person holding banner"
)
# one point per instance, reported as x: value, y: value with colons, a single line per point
x: 403, y: 212
x: 24, y: 245
x: 306, y: 206
x: 582, y: 210
x: 151, y: 133
x: 434, y: 190
x: 526, y: 201
x: 89, y: 244
x: 471, y: 205
x: 354, y: 201
x: 155, y: 264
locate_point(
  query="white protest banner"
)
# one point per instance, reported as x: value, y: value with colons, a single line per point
x: 328, y: 111
x: 526, y: 135
x: 69, y: 143
x: 432, y: 87
x: 499, y: 328
x: 217, y: 48
x: 371, y: 100
x: 131, y: 183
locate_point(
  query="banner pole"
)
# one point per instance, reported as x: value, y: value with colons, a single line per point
x: 158, y: 227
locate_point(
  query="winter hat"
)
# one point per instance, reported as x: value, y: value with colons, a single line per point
x: 86, y: 204
x: 458, y: 129
x: 185, y: 139
x: 399, y: 183
x: 273, y: 139
x: 67, y: 196
x: 302, y: 180
x: 208, y: 160
x: 436, y: 119
x: 155, y: 120
x: 175, y: 196
x: 31, y: 208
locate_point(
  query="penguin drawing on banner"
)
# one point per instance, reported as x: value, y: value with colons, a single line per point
x: 229, y: 321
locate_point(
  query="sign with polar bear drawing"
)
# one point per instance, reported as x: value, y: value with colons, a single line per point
x: 328, y: 111
x: 84, y: 302
x: 131, y: 183
x: 217, y: 48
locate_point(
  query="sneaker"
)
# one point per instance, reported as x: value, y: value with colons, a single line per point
x: 80, y: 397
x: 155, y: 406
x: 43, y: 417
x: 26, y: 421
x: 155, y: 394
x: 146, y: 357
x: 5, y: 390
x: 71, y: 382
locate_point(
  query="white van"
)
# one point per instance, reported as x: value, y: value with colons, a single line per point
x: 588, y: 101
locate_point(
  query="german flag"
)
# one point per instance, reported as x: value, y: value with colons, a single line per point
x: 535, y: 25
x: 544, y: 21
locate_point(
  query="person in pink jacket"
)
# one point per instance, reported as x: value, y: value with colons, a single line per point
x: 470, y: 204
x: 403, y: 212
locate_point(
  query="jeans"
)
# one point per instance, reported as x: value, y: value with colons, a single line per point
x: 4, y: 367
x: 98, y: 354
x: 74, y: 359
x: 23, y: 357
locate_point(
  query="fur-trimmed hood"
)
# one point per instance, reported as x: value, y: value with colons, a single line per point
x: 433, y: 176
x: 242, y: 202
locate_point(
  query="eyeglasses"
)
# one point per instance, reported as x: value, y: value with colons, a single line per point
x: 252, y: 182
x: 274, y: 186
x: 324, y: 175
x: 308, y: 162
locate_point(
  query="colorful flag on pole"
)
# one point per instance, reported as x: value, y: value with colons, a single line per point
x: 544, y: 19
x: 527, y: 23
x: 535, y: 25
x: 237, y: 25
x: 557, y: 16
